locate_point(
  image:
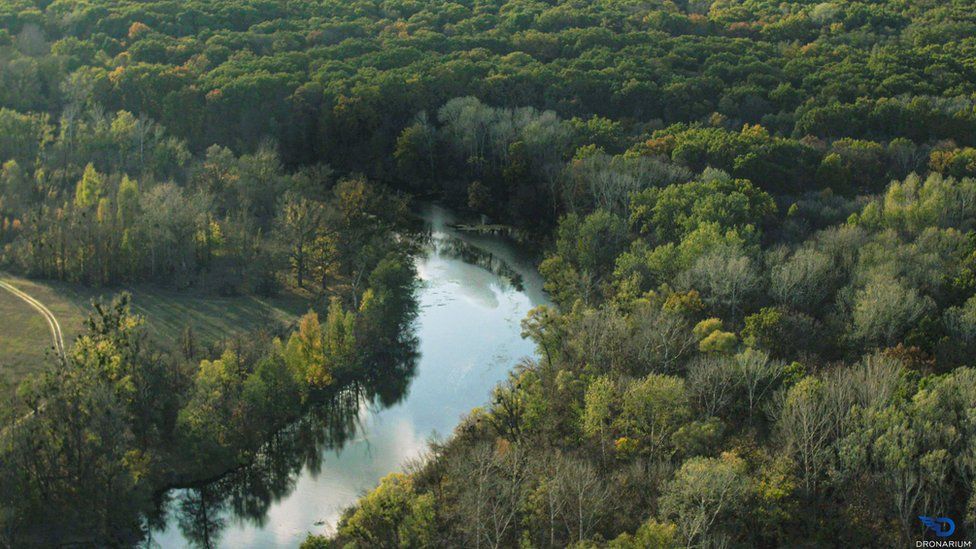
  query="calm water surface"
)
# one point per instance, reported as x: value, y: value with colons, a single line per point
x: 474, y: 291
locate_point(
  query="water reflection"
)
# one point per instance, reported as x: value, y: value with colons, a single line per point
x: 484, y: 260
x: 474, y: 291
x: 454, y: 247
x: 247, y: 493
x: 200, y: 516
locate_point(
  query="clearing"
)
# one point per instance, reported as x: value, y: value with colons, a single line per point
x: 25, y: 337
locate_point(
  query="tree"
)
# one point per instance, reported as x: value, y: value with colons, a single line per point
x: 804, y: 281
x: 259, y: 183
x: 885, y: 309
x: 488, y: 500
x: 300, y: 223
x: 706, y: 496
x: 127, y: 199
x: 416, y: 149
x: 806, y: 422
x: 23, y: 136
x: 726, y: 278
x: 599, y: 409
x: 388, y: 304
x: 670, y: 214
x: 270, y: 396
x: 758, y: 376
x: 541, y: 325
x: 207, y: 423
x: 888, y: 444
x: 599, y: 240
x: 651, y: 535
x: 361, y: 228
x: 168, y: 229
x: 713, y: 383
x: 652, y: 409
x: 508, y: 408
x: 588, y: 499
x: 16, y: 186
x: 718, y: 342
x: 90, y: 189
x: 763, y: 329
x: 661, y: 340
x: 306, y: 353
x: 338, y: 345
x: 392, y: 515
x: 599, y: 338
x: 80, y: 461
x: 585, y: 252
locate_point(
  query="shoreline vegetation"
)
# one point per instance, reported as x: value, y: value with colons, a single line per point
x: 122, y: 417
x: 251, y: 376
x: 498, y: 229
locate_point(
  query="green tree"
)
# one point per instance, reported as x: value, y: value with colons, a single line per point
x: 885, y: 309
x: 707, y: 495
x: 338, y: 345
x: 651, y: 535
x: 300, y: 224
x: 392, y: 515
x: 127, y: 199
x: 416, y: 149
x: 90, y: 189
x: 652, y: 409
x: 599, y: 409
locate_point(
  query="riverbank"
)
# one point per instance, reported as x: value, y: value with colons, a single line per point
x: 324, y: 463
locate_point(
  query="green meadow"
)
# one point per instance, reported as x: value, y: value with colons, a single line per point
x: 25, y: 340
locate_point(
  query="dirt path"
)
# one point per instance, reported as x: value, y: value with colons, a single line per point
x: 52, y: 321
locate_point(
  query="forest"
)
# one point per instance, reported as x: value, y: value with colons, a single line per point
x: 756, y: 222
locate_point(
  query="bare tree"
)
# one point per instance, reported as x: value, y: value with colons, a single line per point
x: 806, y: 421
x: 757, y: 375
x: 726, y: 278
x: 488, y: 501
x: 712, y: 382
x: 661, y: 339
x: 804, y: 280
x: 586, y: 498
x: 549, y: 471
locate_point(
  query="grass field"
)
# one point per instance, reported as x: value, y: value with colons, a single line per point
x: 212, y: 318
x: 25, y: 340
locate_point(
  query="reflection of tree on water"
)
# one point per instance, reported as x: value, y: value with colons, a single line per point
x: 200, y: 516
x: 456, y: 248
x: 247, y: 493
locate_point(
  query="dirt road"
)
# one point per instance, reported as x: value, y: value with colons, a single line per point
x: 52, y: 321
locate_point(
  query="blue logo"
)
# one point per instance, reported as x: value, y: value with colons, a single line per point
x: 942, y: 526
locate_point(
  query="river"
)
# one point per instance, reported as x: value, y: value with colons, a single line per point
x: 474, y: 290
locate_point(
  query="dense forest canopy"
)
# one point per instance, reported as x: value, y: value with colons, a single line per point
x: 758, y: 220
x: 326, y: 79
